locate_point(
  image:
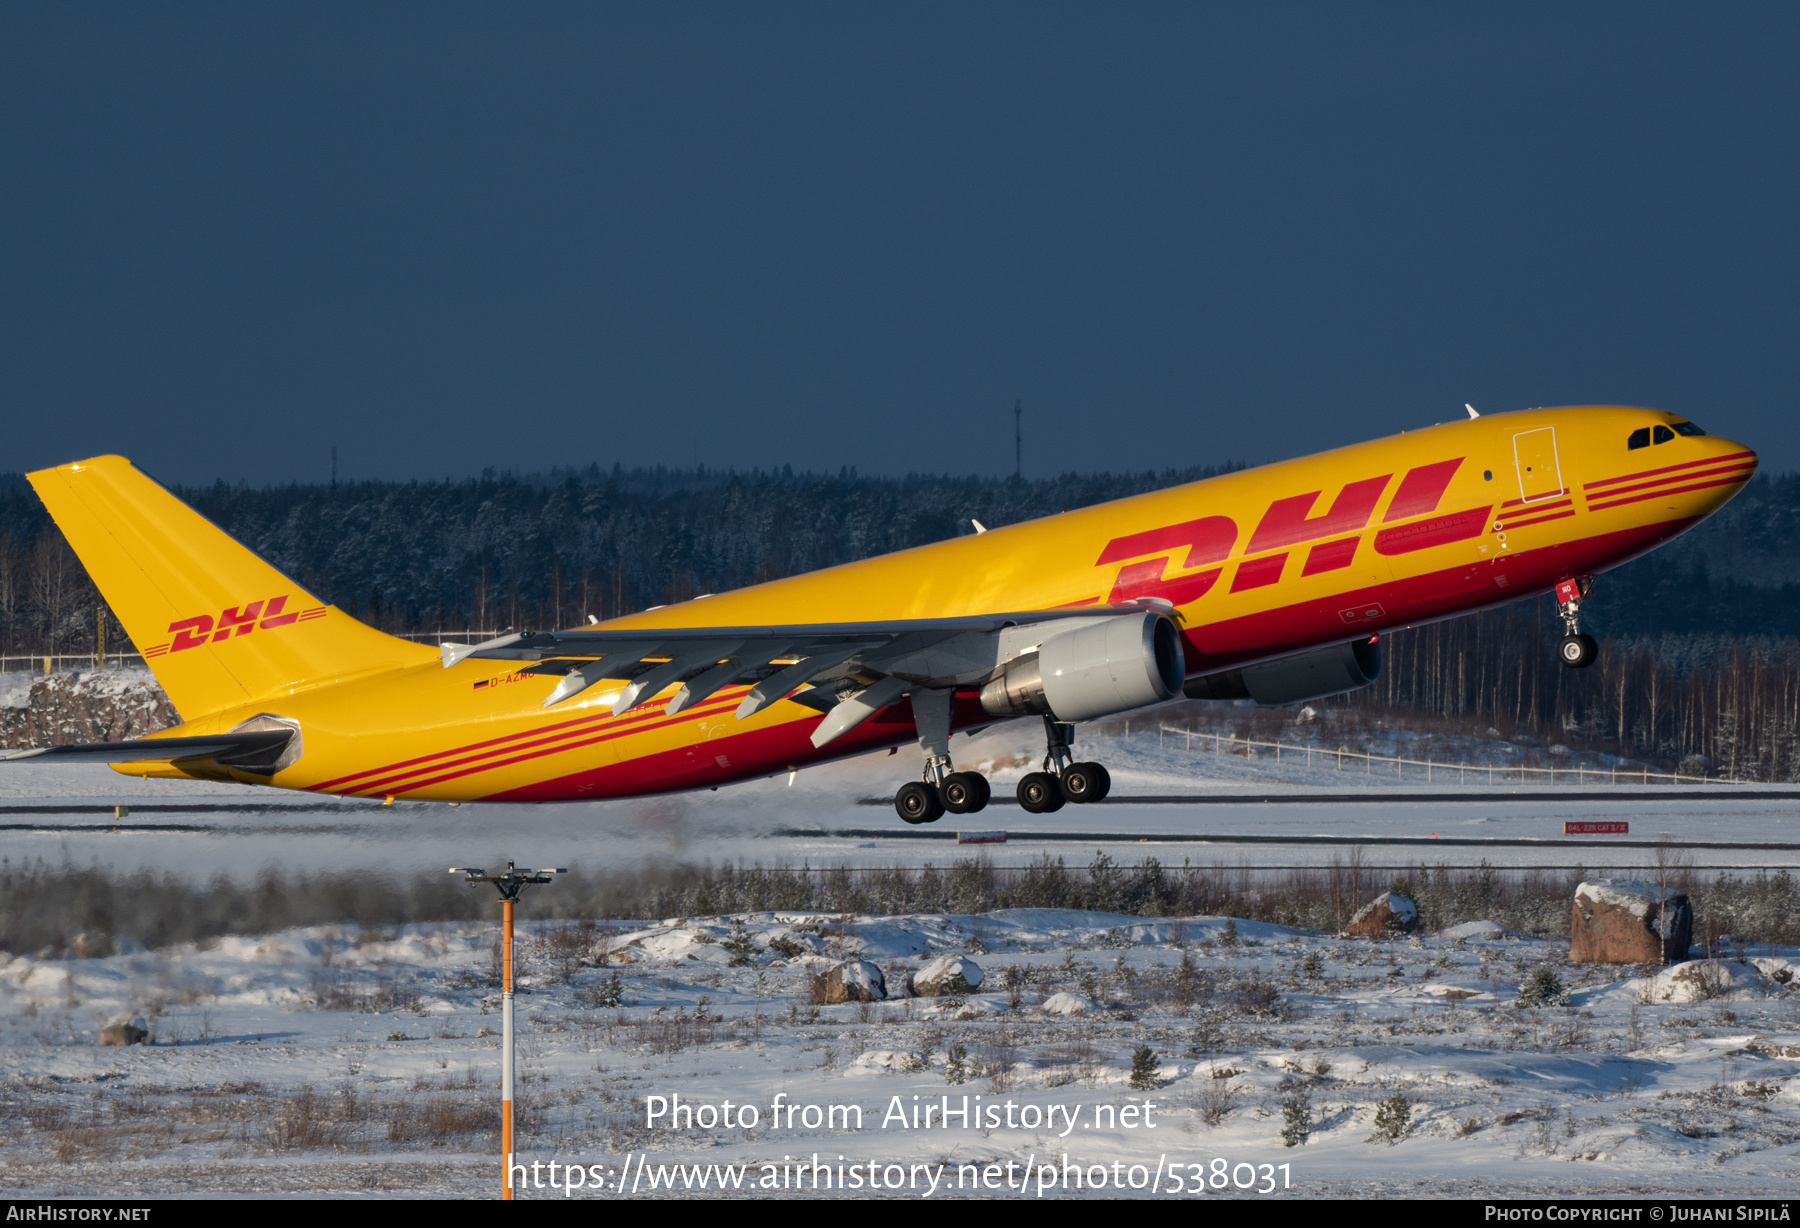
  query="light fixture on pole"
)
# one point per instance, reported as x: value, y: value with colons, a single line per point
x: 510, y: 882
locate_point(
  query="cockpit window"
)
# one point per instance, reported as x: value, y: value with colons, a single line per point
x: 1661, y: 434
x: 1640, y: 438
x: 1688, y: 428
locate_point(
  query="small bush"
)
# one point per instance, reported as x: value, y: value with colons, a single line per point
x: 956, y: 1065
x: 1209, y: 1033
x: 1213, y: 1100
x: 1542, y: 988
x: 742, y: 946
x: 1313, y: 966
x: 1296, y: 1117
x: 1144, y: 1069
x: 1393, y: 1119
x: 607, y: 994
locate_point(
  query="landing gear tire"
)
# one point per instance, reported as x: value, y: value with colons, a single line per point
x: 1041, y: 793
x: 1577, y: 651
x: 1086, y: 782
x: 964, y: 792
x: 917, y: 802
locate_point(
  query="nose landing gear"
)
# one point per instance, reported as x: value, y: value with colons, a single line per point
x: 1575, y: 650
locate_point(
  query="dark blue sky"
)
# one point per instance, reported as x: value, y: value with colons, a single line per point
x: 448, y: 237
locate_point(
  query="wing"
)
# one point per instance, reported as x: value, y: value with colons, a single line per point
x: 818, y: 664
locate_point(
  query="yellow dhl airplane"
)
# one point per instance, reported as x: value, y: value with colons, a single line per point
x: 1272, y: 584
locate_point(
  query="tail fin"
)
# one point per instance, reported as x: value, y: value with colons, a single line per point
x: 218, y: 626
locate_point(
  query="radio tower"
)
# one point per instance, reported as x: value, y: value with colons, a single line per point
x: 1018, y: 440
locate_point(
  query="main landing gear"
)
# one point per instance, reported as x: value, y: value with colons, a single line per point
x: 945, y: 789
x: 1575, y: 650
x: 1062, y: 780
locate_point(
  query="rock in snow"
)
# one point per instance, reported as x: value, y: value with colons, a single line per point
x: 1067, y: 1004
x: 1702, y: 980
x: 1490, y: 931
x: 855, y: 980
x: 1619, y: 921
x: 1387, y: 913
x: 105, y: 706
x: 124, y: 1032
x: 946, y: 974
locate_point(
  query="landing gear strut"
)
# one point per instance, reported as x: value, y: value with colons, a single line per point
x: 1062, y: 780
x: 1575, y: 650
x: 943, y: 787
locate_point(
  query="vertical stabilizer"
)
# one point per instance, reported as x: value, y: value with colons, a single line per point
x: 217, y: 625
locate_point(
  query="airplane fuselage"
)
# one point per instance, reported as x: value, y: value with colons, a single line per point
x: 1257, y: 564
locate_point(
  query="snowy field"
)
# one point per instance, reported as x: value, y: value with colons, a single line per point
x: 317, y: 1061
x: 333, y: 1060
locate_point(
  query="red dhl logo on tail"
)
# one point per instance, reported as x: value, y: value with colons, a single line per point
x: 269, y: 613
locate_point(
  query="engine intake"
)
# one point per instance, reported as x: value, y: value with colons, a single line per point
x: 1113, y: 665
x: 1295, y: 679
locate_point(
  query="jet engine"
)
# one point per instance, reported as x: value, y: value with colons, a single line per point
x: 1291, y: 680
x: 1111, y: 665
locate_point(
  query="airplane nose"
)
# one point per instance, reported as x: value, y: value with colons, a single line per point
x: 1728, y: 466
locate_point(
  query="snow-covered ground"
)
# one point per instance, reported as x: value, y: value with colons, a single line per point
x: 838, y: 811
x: 339, y: 1060
x: 317, y: 1061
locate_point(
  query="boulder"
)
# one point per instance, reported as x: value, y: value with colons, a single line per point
x: 108, y: 706
x: 1620, y: 921
x: 1387, y: 913
x: 91, y: 946
x: 945, y: 975
x: 124, y: 1032
x: 1067, y: 1004
x: 854, y: 980
x: 1702, y: 980
x: 1779, y: 971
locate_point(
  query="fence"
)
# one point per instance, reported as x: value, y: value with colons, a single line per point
x: 1577, y: 773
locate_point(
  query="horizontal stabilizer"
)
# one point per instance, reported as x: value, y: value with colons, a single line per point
x: 140, y: 749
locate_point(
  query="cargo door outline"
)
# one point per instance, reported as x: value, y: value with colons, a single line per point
x: 1533, y: 484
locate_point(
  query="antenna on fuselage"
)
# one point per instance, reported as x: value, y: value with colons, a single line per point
x: 1473, y: 413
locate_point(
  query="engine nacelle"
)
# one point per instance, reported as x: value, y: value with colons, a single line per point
x: 1295, y: 679
x: 1109, y: 666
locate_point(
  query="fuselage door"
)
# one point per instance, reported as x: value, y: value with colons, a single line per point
x: 1534, y: 457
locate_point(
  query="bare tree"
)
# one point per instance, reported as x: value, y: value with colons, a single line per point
x: 11, y: 569
x: 51, y: 576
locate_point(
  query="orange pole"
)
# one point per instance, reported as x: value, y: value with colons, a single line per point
x: 506, y: 1046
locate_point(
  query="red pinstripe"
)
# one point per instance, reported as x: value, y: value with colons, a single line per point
x: 1632, y: 477
x: 1533, y: 502
x: 506, y: 742
x: 1669, y: 490
x: 1519, y: 524
x: 489, y: 766
x: 1658, y: 483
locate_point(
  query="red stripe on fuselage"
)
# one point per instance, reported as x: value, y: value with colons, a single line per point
x: 1632, y: 477
x: 508, y: 742
x: 604, y: 736
x: 1667, y: 490
x: 1519, y: 524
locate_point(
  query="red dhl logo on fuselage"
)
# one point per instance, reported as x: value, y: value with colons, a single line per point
x: 267, y: 614
x: 1290, y: 522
